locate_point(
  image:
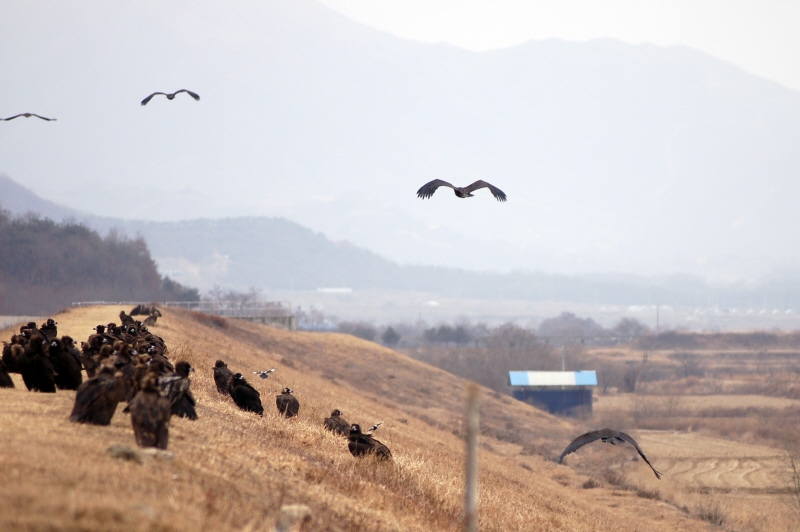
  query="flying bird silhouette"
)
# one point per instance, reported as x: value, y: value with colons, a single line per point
x: 374, y: 427
x: 606, y: 436
x: 171, y: 96
x: 264, y: 374
x: 428, y: 189
x: 28, y: 115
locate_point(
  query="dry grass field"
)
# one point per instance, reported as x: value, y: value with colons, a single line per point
x: 721, y: 422
x: 232, y: 470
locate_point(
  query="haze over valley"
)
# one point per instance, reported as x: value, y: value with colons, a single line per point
x: 616, y: 158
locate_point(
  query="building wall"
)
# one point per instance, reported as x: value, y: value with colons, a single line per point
x: 564, y: 402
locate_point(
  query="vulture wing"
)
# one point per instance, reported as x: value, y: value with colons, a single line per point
x: 428, y: 189
x: 43, y: 117
x: 190, y: 93
x: 13, y: 117
x: 579, y: 442
x: 496, y: 192
x: 623, y: 436
x: 146, y: 100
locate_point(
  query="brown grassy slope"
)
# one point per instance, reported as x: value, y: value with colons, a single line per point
x: 233, y: 470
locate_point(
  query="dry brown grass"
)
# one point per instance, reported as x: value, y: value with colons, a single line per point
x: 719, y: 434
x: 233, y: 471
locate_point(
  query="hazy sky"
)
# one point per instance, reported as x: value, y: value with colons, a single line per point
x: 759, y: 36
x: 615, y: 157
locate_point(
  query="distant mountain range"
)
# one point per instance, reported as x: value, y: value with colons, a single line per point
x: 275, y: 253
x: 643, y: 159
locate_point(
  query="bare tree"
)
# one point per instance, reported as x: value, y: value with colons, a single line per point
x: 689, y: 364
x: 794, y: 482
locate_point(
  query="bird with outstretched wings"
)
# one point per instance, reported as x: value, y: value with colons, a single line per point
x: 613, y: 437
x: 171, y: 95
x: 28, y: 115
x: 427, y: 190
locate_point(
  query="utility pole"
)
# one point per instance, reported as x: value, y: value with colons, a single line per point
x: 563, y: 359
x: 471, y: 473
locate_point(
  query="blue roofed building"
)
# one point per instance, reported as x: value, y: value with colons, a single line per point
x: 559, y: 392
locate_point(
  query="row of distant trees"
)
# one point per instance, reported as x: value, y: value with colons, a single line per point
x: 566, y: 329
x: 45, y: 266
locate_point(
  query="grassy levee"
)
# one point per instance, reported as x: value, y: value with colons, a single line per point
x: 233, y: 470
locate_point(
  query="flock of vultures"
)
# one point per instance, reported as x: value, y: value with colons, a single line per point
x: 128, y: 363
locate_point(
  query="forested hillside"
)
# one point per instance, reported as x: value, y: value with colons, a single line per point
x: 44, y: 266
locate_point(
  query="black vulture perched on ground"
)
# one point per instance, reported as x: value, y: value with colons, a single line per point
x: 9, y: 358
x: 362, y: 444
x: 222, y: 377
x: 92, y: 352
x: 5, y: 379
x: 287, y: 404
x: 427, y: 190
x: 97, y: 398
x: 245, y: 396
x: 125, y: 319
x: 150, y: 320
x: 49, y: 329
x: 69, y: 346
x: 337, y: 424
x: 264, y: 374
x: 68, y: 374
x: 27, y: 115
x: 35, y: 365
x: 171, y: 96
x: 150, y: 413
x: 175, y: 387
x: 606, y: 436
x: 123, y: 357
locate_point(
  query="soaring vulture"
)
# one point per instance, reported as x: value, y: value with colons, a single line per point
x: 28, y: 115
x: 428, y: 189
x: 606, y: 436
x: 361, y: 444
x: 171, y: 96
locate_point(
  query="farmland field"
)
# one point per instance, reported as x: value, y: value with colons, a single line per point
x: 231, y: 470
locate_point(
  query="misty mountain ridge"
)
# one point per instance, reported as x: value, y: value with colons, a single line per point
x: 279, y: 254
x: 643, y: 159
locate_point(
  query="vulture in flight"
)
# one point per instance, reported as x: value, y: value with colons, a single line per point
x: 428, y: 189
x: 606, y: 436
x: 28, y: 115
x: 171, y: 96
